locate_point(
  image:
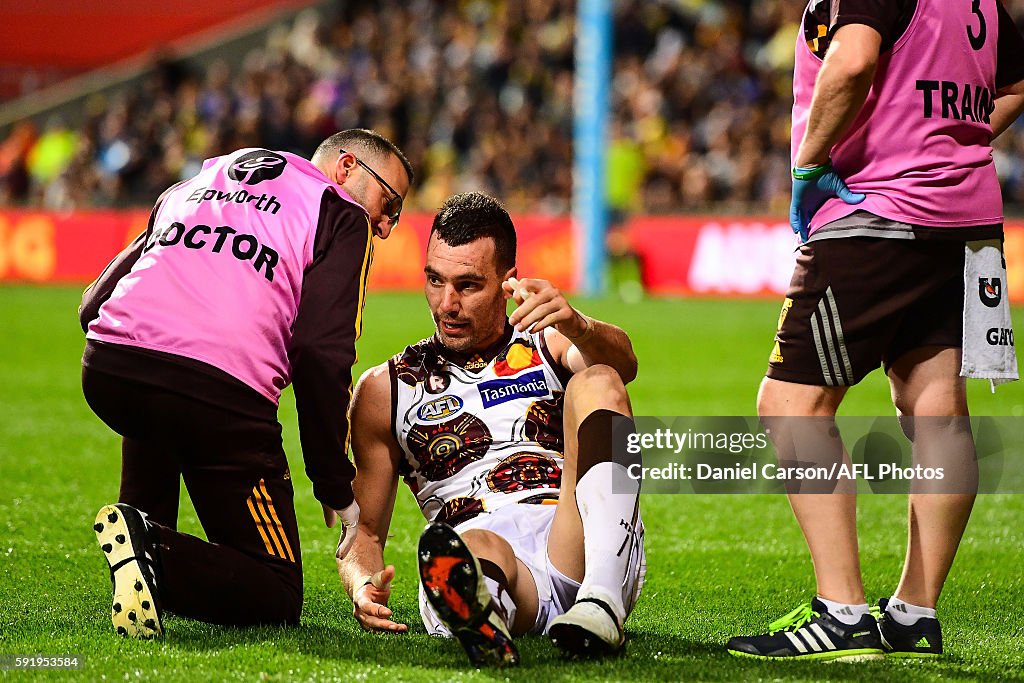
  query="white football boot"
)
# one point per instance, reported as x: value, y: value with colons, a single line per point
x: 588, y: 629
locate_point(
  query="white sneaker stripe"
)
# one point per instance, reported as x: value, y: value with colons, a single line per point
x: 820, y: 632
x: 809, y: 639
x: 796, y: 642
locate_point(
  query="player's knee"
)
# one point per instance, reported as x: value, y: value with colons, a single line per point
x: 291, y: 611
x: 766, y: 400
x: 601, y: 382
x: 933, y: 429
x: 484, y: 542
x: 487, y: 545
x: 906, y: 423
x: 778, y: 398
x: 947, y: 402
x: 904, y: 403
x: 284, y: 602
x: 280, y: 607
x: 772, y: 399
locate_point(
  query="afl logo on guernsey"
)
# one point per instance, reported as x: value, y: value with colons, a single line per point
x: 253, y: 168
x: 439, y: 408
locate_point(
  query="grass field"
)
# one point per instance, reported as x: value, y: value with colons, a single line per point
x: 718, y: 565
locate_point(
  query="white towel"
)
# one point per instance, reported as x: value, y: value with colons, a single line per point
x: 988, y: 351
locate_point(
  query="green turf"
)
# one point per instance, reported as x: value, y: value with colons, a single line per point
x: 718, y: 565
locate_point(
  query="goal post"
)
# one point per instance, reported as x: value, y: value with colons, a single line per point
x: 590, y: 132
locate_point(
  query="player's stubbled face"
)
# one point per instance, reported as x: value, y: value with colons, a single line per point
x: 463, y: 289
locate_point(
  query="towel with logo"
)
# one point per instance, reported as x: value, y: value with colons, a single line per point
x: 988, y: 350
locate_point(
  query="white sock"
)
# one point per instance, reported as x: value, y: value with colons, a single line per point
x: 906, y: 614
x: 506, y: 606
x: 846, y: 613
x: 607, y: 532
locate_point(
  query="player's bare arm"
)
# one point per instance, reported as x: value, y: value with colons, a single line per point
x: 1008, y: 107
x: 363, y: 574
x: 839, y: 92
x: 575, y: 340
x: 1015, y: 89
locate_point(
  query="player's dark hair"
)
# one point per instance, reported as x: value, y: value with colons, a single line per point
x: 467, y: 217
x: 363, y: 141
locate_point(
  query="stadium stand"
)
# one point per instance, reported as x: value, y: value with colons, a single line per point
x: 478, y: 94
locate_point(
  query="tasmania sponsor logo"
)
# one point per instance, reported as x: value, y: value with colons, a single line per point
x: 439, y: 408
x: 497, y: 391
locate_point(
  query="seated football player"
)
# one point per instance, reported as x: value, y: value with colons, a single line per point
x: 501, y: 425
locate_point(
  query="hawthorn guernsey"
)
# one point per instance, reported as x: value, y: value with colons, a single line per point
x: 481, y: 420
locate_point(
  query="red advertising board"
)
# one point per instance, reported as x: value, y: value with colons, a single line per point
x: 746, y: 256
x: 545, y: 249
x: 87, y: 34
x: 680, y: 255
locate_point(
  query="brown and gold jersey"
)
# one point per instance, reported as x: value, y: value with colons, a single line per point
x: 479, y: 433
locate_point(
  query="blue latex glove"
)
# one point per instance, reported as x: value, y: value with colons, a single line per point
x: 811, y: 187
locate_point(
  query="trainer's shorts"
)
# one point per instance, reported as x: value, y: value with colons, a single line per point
x: 859, y: 302
x: 527, y: 528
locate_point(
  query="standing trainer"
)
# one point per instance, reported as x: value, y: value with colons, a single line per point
x: 250, y: 276
x: 896, y: 196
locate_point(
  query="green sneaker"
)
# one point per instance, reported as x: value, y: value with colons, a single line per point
x: 922, y: 639
x: 810, y: 632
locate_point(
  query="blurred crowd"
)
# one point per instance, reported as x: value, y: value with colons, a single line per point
x: 479, y: 94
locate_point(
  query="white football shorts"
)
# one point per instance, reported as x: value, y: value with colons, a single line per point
x: 527, y: 528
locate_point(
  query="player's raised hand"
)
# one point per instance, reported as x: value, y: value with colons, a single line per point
x: 370, y: 603
x: 540, y: 305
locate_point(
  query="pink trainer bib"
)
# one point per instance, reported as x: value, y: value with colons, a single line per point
x: 920, y: 149
x: 220, y: 278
